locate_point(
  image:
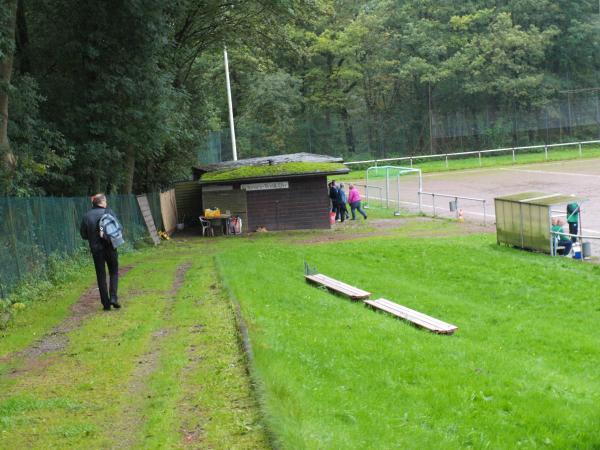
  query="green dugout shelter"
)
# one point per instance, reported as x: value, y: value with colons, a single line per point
x: 524, y: 220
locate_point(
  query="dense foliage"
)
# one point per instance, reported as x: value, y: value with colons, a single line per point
x: 121, y: 96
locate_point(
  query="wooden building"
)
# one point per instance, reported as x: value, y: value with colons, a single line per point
x: 287, y: 192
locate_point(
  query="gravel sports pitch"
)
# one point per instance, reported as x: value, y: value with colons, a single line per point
x: 578, y: 177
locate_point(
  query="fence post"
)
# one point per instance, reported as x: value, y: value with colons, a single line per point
x: 484, y: 214
x: 411, y: 163
x: 433, y: 202
x: 580, y: 152
x: 513, y: 155
x: 546, y: 151
x: 366, y: 188
x: 387, y: 188
x: 397, y: 213
x: 456, y: 206
x: 479, y: 154
x: 446, y: 160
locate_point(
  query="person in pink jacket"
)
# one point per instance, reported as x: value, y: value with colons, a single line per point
x: 354, y: 200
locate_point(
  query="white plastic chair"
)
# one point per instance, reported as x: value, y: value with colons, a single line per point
x: 206, y: 227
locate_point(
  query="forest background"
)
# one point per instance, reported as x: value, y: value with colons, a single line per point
x: 125, y: 96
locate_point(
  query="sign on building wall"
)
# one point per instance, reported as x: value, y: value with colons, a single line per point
x: 266, y: 186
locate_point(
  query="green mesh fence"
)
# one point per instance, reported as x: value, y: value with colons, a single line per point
x: 447, y: 126
x: 32, y: 229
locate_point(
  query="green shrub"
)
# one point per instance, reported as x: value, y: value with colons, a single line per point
x: 59, y: 269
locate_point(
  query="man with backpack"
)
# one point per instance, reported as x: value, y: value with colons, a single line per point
x: 102, y: 230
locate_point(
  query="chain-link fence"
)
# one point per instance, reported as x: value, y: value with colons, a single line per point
x: 33, y: 229
x: 442, y: 125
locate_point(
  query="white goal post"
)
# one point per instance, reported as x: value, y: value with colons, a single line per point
x: 391, y: 172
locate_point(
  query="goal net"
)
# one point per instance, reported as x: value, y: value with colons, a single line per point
x: 383, y: 187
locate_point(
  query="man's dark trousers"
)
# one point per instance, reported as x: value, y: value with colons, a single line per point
x: 102, y: 258
x: 573, y: 229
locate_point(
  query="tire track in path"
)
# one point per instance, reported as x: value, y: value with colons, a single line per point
x: 57, y: 339
x: 131, y: 421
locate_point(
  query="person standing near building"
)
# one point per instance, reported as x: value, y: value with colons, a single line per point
x: 103, y: 252
x: 342, y: 199
x: 354, y: 200
x: 333, y: 196
x: 573, y: 210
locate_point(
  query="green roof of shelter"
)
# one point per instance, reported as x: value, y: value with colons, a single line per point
x: 273, y: 171
x: 520, y: 196
x: 540, y: 198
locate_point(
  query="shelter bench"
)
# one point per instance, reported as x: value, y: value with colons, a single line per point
x: 332, y: 284
x: 415, y: 317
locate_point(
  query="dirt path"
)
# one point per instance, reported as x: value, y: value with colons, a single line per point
x: 132, y: 418
x: 57, y: 339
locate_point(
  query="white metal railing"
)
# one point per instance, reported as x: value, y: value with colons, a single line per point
x: 453, y: 206
x: 367, y: 187
x: 479, y: 153
x: 579, y: 237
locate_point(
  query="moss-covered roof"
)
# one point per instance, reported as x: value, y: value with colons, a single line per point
x: 293, y: 168
x: 540, y: 198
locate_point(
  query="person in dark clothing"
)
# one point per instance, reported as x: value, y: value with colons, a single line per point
x: 342, y: 199
x: 573, y: 219
x: 103, y: 252
x: 333, y: 196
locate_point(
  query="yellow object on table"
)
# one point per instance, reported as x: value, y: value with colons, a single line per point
x: 212, y: 213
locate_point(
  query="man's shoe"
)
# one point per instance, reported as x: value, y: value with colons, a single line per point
x: 115, y: 305
x: 106, y: 308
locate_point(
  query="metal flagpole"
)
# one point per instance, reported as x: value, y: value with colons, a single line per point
x: 231, y: 125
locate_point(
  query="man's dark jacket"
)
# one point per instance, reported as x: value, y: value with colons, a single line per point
x: 89, y: 228
x: 334, y: 195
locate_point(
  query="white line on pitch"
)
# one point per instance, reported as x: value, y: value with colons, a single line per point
x: 545, y: 172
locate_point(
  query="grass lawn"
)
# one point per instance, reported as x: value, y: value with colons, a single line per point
x: 520, y: 372
x: 167, y: 370
x: 461, y: 163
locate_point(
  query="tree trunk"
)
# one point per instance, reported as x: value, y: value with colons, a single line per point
x: 6, y: 67
x: 22, y: 39
x: 129, y: 170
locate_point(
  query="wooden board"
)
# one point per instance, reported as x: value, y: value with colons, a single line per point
x: 168, y: 210
x: 147, y: 214
x: 415, y: 317
x: 332, y: 284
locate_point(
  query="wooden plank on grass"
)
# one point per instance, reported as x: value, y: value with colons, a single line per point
x: 147, y: 214
x: 339, y: 287
x: 415, y: 317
